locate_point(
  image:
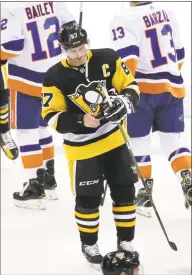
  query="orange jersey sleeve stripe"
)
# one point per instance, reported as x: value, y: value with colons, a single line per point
x: 24, y: 87
x: 132, y: 65
x: 5, y: 55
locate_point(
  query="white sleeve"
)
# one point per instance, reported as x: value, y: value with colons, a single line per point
x: 12, y: 40
x: 177, y: 37
x: 124, y: 38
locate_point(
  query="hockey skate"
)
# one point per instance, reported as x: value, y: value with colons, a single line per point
x: 50, y: 181
x: 8, y: 145
x: 31, y: 197
x: 92, y: 254
x: 143, y: 203
x: 187, y: 187
x: 125, y: 246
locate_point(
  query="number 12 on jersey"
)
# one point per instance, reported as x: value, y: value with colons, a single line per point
x: 39, y: 53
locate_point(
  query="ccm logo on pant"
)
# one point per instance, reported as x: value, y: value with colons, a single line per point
x: 89, y: 182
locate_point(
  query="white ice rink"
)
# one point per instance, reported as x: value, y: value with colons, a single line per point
x: 47, y: 242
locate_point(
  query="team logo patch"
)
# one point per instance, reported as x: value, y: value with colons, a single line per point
x: 89, y: 97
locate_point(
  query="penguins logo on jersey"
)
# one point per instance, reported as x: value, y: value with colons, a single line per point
x: 89, y: 97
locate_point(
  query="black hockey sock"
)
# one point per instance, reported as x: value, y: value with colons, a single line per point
x: 88, y: 224
x: 124, y: 216
x: 4, y: 127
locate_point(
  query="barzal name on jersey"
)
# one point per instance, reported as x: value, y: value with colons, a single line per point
x: 148, y: 40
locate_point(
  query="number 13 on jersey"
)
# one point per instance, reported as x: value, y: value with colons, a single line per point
x: 153, y: 34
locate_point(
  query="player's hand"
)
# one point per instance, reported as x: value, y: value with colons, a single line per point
x: 119, y: 109
x: 90, y: 121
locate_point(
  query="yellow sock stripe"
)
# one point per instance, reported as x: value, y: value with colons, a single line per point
x: 124, y: 208
x: 125, y: 224
x: 4, y: 121
x: 87, y: 216
x: 88, y: 230
x: 3, y: 111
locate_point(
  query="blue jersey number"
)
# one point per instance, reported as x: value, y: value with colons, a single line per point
x: 160, y: 60
x: 4, y: 24
x: 39, y: 53
x: 118, y: 33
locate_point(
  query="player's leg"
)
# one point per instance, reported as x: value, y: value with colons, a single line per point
x: 26, y: 118
x: 87, y: 185
x: 170, y: 120
x: 139, y: 126
x: 6, y: 141
x: 47, y: 146
x: 121, y: 176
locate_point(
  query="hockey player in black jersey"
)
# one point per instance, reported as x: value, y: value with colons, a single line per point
x: 6, y: 141
x: 75, y: 106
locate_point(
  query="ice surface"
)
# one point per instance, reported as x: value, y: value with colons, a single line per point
x: 47, y: 242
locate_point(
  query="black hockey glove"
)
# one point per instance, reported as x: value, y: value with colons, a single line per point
x: 121, y: 106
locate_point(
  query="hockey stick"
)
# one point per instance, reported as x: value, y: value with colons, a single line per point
x: 172, y: 244
x: 80, y: 23
x: 104, y: 195
x: 81, y: 13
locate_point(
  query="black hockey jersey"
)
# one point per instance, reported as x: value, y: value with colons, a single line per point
x: 67, y: 93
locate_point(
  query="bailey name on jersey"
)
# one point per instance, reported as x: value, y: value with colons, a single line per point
x: 43, y: 9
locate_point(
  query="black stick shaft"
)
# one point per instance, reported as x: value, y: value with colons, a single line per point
x: 81, y: 14
x: 172, y: 245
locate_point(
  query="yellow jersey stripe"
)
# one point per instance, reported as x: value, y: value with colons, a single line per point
x: 96, y: 148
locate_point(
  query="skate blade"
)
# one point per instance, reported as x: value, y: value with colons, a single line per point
x: 51, y: 195
x: 31, y: 204
x: 95, y: 266
x: 144, y: 211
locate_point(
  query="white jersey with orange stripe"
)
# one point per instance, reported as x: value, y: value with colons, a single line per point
x: 148, y: 40
x: 29, y: 39
x: 10, y: 34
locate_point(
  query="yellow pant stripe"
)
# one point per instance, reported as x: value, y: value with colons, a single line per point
x: 124, y: 208
x: 88, y: 230
x: 87, y: 216
x: 125, y: 224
